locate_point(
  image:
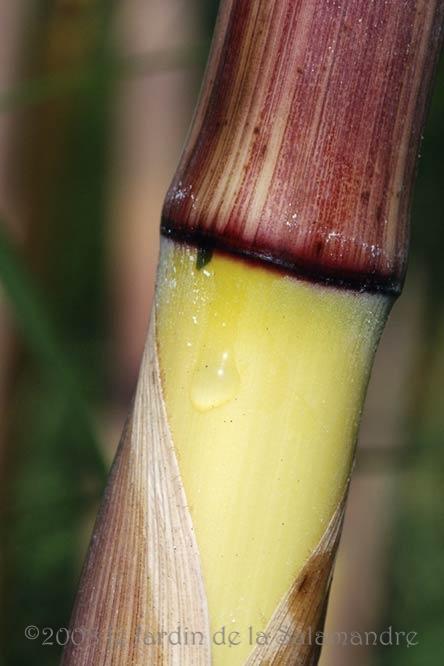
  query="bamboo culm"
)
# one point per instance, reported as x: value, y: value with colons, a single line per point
x: 285, y: 234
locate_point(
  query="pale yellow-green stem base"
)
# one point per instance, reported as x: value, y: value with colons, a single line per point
x: 264, y: 378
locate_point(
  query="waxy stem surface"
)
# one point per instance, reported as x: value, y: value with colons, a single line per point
x: 263, y: 377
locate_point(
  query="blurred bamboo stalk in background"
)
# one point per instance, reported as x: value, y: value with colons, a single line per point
x: 10, y: 20
x: 153, y: 112
x: 55, y: 302
x: 291, y: 202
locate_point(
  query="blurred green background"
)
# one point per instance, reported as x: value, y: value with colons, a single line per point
x: 95, y: 99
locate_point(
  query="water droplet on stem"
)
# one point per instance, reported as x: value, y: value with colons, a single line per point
x: 215, y: 381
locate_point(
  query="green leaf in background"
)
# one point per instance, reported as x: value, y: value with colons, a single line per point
x: 40, y: 338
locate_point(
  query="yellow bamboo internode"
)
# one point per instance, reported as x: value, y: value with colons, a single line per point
x: 263, y: 390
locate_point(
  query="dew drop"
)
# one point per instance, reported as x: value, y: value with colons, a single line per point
x: 215, y: 381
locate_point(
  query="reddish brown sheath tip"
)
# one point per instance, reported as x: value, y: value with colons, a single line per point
x: 304, y: 144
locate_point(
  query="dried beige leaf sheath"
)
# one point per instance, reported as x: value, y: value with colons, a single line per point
x: 143, y: 571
